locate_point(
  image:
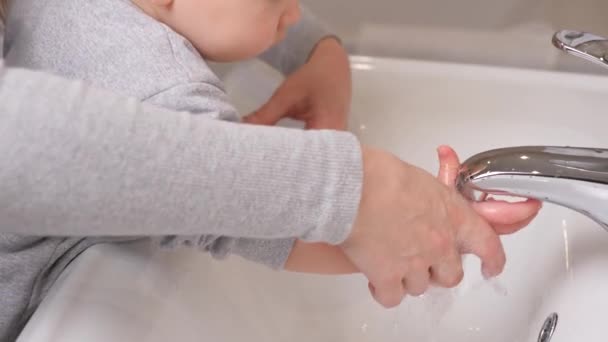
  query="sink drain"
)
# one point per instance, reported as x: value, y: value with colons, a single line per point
x: 546, y: 332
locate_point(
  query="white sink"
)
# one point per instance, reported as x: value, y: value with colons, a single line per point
x: 558, y: 264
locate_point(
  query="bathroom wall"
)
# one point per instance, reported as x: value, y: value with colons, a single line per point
x: 499, y: 32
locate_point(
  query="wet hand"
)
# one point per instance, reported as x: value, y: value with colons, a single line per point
x: 411, y: 229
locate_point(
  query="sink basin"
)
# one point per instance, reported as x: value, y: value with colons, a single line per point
x: 136, y: 292
x: 575, y: 290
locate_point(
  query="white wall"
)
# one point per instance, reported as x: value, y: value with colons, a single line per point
x: 502, y: 32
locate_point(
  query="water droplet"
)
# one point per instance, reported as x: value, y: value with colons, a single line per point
x: 498, y: 287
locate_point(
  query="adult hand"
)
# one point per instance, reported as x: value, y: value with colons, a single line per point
x: 319, y: 93
x: 411, y: 229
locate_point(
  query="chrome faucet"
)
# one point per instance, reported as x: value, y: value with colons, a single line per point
x: 585, y: 45
x: 573, y: 177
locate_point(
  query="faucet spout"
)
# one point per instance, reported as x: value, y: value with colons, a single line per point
x: 585, y: 45
x: 573, y: 177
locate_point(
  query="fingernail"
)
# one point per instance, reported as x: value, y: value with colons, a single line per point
x: 487, y: 274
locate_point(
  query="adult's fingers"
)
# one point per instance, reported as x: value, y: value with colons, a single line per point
x: 417, y: 278
x: 478, y: 238
x: 448, y: 272
x: 388, y: 293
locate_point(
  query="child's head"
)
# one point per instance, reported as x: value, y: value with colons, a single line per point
x: 226, y: 30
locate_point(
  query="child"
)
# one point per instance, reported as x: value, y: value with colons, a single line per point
x: 155, y: 51
x: 134, y: 48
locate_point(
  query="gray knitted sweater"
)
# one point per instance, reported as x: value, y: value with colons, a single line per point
x: 84, y: 166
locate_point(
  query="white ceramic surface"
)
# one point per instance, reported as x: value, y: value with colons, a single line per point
x: 137, y: 293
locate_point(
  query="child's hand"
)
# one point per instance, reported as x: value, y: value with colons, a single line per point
x: 318, y: 258
x: 319, y: 93
x: 504, y: 217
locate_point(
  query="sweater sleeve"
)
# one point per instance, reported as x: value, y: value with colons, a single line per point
x: 81, y: 161
x: 301, y: 40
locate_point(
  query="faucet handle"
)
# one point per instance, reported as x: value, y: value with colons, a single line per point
x: 585, y: 45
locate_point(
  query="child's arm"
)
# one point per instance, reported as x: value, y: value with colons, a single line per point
x: 318, y: 258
